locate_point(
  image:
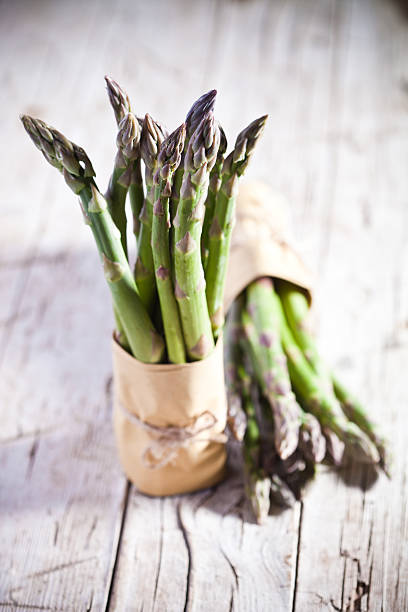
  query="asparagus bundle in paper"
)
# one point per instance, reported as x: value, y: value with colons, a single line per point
x: 324, y: 421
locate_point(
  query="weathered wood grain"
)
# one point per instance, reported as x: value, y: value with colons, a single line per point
x: 354, y: 535
x: 333, y: 76
x: 203, y: 551
x: 61, y: 491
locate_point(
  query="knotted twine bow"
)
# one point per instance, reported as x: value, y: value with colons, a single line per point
x: 169, y: 440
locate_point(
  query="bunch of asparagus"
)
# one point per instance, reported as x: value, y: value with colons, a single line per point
x: 284, y: 403
x: 169, y: 306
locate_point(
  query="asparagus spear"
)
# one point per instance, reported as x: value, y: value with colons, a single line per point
x: 199, y: 109
x: 356, y: 413
x: 121, y: 107
x: 222, y: 223
x: 269, y: 362
x: 296, y: 308
x: 189, y: 276
x: 236, y: 418
x: 291, y: 473
x: 320, y: 403
x: 168, y: 161
x: 213, y: 188
x: 77, y: 170
x: 286, y: 475
x: 311, y: 439
x: 334, y: 446
x: 136, y: 194
x: 152, y: 137
x: 257, y: 483
x: 127, y: 141
x: 118, y: 98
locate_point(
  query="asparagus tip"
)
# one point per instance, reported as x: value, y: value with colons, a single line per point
x: 203, y: 146
x: 223, y: 141
x: 360, y: 447
x: 171, y: 149
x: 199, y: 109
x: 238, y: 160
x: 118, y: 98
x: 29, y: 124
x: 128, y: 137
x: 258, y: 490
x: 152, y: 137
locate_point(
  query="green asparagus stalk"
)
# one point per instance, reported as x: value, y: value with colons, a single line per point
x: 152, y: 137
x: 356, y: 413
x: 269, y: 362
x: 257, y: 483
x: 189, y: 276
x: 146, y: 344
x: 296, y: 309
x: 127, y: 141
x: 72, y: 161
x: 136, y: 194
x: 213, y: 188
x: 121, y: 107
x: 199, y: 109
x: 223, y: 220
x: 168, y: 160
x: 315, y: 396
x: 236, y: 418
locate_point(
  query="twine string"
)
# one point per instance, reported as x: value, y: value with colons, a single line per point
x: 168, y: 440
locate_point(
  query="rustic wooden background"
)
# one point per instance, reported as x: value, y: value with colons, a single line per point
x: 333, y: 75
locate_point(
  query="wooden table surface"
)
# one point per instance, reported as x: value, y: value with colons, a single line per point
x: 333, y: 75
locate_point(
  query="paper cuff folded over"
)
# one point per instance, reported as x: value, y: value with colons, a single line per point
x: 261, y: 243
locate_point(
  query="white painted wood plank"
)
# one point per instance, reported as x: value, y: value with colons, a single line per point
x: 354, y: 535
x: 231, y: 563
x: 61, y: 491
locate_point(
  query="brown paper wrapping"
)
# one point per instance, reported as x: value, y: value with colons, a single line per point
x: 190, y: 398
x: 170, y: 395
x: 261, y: 243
